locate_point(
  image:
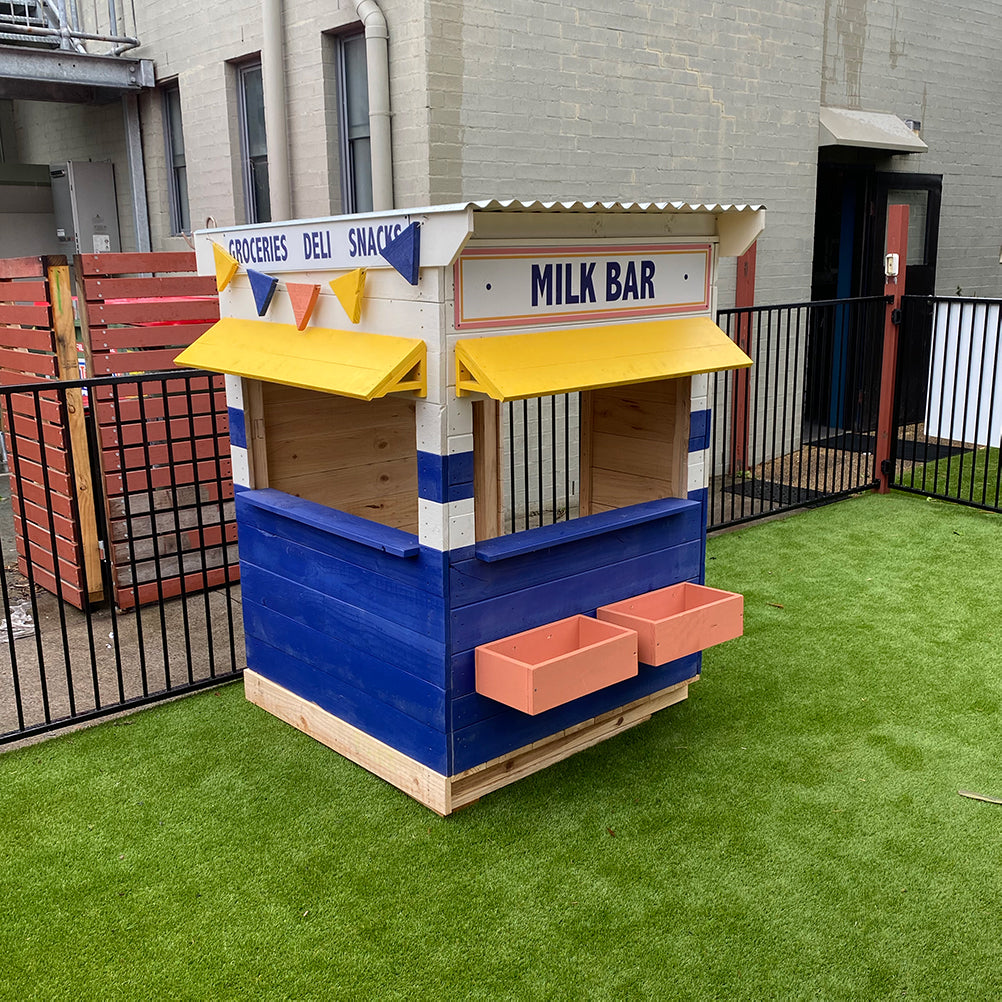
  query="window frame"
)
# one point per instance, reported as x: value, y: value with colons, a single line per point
x: 250, y: 163
x: 176, y: 163
x: 350, y: 136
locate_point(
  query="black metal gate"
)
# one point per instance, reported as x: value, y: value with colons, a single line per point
x: 799, y: 427
x: 64, y: 657
x: 948, y: 401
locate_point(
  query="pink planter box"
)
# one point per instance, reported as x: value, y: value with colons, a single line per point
x: 553, y: 664
x: 679, y: 620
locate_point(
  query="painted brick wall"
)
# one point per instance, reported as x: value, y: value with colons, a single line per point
x: 49, y: 133
x: 191, y: 43
x: 697, y: 99
x: 940, y: 64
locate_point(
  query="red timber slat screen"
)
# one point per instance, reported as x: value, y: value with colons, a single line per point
x: 163, y: 445
x: 45, y: 433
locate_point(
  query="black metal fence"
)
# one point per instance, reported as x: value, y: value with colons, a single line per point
x: 948, y: 401
x: 799, y: 427
x: 157, y: 614
x: 540, y: 448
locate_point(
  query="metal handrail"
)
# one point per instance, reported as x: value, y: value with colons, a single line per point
x: 70, y: 36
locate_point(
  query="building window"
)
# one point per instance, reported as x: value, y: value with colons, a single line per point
x: 353, y: 114
x: 254, y: 143
x: 177, y: 171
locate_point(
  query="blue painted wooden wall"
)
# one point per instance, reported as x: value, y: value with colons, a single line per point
x: 381, y: 632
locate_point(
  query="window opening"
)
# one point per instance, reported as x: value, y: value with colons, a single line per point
x: 917, y: 200
x: 550, y: 459
x: 355, y: 456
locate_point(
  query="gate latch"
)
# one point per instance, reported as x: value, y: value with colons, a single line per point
x: 896, y: 317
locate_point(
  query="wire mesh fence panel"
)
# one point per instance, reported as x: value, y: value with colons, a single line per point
x: 64, y: 659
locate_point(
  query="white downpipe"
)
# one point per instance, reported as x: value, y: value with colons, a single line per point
x: 377, y: 67
x: 275, y: 109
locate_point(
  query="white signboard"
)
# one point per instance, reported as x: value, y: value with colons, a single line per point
x: 512, y: 286
x: 335, y: 244
x: 314, y: 245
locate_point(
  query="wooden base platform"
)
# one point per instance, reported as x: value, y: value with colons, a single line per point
x: 445, y: 794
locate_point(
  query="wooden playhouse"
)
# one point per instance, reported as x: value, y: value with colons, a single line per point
x: 469, y: 453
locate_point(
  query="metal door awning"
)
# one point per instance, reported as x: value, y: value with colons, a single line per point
x: 346, y: 363
x: 868, y: 129
x: 517, y: 366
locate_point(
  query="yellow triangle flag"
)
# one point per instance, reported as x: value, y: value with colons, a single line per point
x: 226, y: 266
x: 349, y: 289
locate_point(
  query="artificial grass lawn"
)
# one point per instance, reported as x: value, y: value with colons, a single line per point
x: 970, y: 476
x: 791, y: 831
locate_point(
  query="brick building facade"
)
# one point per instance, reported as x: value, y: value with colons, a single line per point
x: 697, y: 100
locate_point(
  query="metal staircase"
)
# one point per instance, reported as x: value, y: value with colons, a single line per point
x: 23, y: 22
x: 58, y: 50
x: 48, y: 24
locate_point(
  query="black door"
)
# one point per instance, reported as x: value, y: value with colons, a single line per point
x: 922, y: 194
x: 840, y: 360
x: 849, y: 244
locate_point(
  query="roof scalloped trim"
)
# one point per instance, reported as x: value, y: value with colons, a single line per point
x: 516, y: 205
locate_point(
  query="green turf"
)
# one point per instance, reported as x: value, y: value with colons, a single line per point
x: 970, y: 476
x: 792, y: 831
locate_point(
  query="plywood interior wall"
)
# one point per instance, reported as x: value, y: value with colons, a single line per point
x: 355, y: 456
x: 634, y: 444
x: 487, y: 469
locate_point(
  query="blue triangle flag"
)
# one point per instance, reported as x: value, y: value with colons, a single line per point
x: 404, y: 253
x: 263, y: 286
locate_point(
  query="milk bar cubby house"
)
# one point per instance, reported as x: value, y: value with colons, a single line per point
x: 469, y: 451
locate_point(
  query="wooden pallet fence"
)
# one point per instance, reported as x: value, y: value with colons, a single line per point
x: 163, y: 445
x: 46, y: 438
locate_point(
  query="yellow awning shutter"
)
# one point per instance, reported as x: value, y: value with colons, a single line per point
x: 515, y: 366
x: 346, y: 363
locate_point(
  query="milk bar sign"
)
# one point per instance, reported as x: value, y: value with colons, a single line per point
x: 506, y: 287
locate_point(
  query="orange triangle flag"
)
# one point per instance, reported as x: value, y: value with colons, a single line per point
x: 226, y: 266
x: 348, y: 289
x: 303, y: 298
